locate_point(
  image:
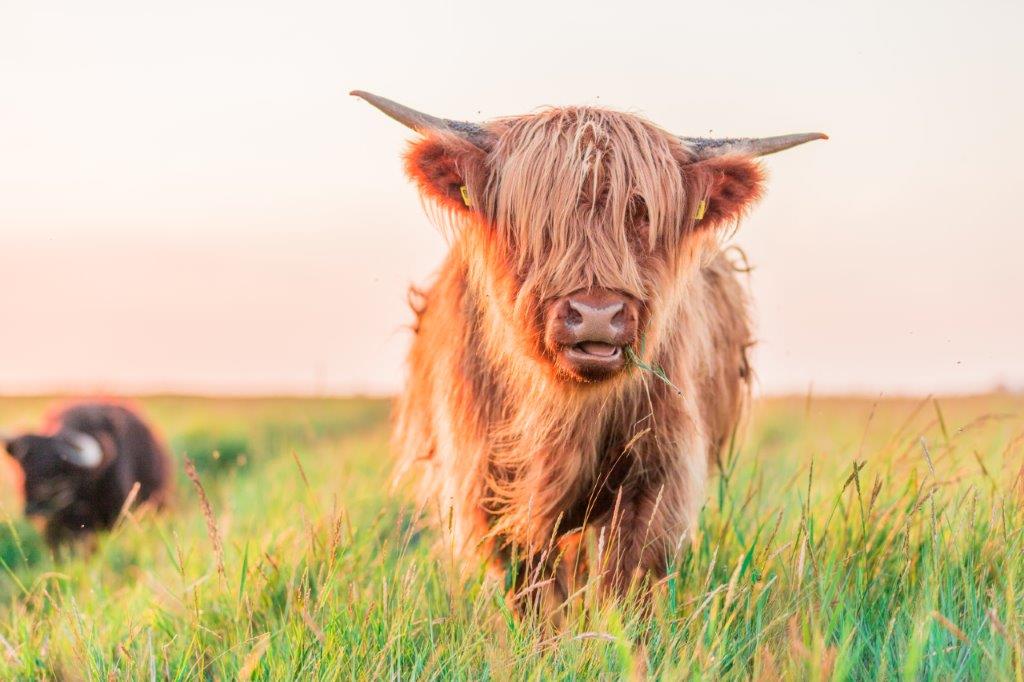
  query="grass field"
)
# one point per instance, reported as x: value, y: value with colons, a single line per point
x: 847, y: 539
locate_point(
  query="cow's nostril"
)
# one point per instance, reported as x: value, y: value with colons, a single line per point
x: 619, y: 318
x: 573, y: 317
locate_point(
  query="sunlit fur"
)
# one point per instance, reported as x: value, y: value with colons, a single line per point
x: 515, y: 458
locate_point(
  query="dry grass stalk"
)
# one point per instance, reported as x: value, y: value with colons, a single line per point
x: 211, y: 522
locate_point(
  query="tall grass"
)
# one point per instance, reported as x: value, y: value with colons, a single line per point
x: 844, y: 539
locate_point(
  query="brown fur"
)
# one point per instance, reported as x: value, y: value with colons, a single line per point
x: 518, y: 457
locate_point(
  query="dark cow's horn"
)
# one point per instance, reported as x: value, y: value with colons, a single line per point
x: 708, y: 147
x: 84, y: 451
x: 425, y: 123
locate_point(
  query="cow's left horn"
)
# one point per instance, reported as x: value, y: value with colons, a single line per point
x: 708, y: 147
x: 425, y: 123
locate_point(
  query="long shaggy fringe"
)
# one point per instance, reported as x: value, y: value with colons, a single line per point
x: 563, y: 195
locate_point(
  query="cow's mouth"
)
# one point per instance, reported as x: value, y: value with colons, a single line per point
x: 597, y: 350
x: 593, y: 360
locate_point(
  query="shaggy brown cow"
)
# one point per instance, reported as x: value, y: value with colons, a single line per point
x: 81, y: 469
x: 584, y: 248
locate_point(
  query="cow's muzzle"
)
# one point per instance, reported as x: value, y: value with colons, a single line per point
x: 588, y: 331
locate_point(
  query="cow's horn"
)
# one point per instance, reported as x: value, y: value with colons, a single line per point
x: 425, y: 123
x: 708, y: 147
x: 85, y: 452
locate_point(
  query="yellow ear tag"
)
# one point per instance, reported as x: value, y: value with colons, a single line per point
x: 702, y: 208
x: 465, y: 195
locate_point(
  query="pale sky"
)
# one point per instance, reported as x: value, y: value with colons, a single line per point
x: 190, y: 201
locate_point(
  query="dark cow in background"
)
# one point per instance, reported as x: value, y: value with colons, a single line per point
x: 81, y: 468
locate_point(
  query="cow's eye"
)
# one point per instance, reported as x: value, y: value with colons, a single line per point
x: 636, y: 213
x: 638, y: 224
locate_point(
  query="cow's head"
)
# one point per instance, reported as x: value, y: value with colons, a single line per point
x: 582, y: 224
x: 54, y: 468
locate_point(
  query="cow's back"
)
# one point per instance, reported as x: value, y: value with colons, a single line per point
x: 725, y: 374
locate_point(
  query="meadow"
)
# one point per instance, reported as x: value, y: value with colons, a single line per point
x: 846, y: 538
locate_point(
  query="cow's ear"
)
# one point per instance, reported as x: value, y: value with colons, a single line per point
x: 16, y: 448
x: 729, y: 184
x: 447, y: 169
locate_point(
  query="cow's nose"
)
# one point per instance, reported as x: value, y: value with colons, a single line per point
x: 595, y: 322
x: 588, y: 331
x: 597, y: 316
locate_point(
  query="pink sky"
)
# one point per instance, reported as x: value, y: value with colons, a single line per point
x: 190, y: 201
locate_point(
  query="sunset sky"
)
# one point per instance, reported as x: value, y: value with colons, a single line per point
x: 190, y: 200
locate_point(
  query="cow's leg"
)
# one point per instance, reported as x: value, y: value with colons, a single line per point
x: 543, y: 583
x: 648, y: 526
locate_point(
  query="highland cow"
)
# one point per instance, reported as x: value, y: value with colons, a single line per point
x: 580, y: 360
x: 81, y: 469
